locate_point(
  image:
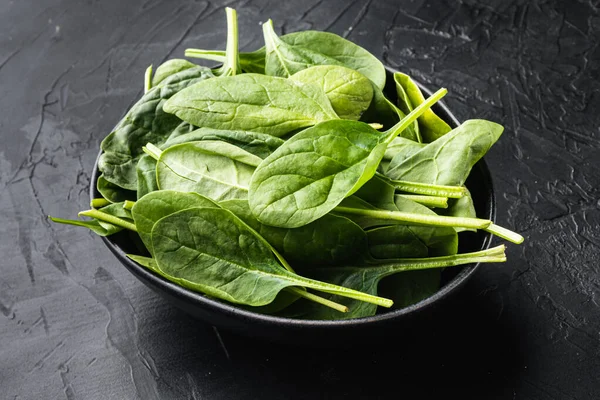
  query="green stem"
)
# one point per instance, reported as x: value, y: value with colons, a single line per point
x: 128, y: 204
x: 212, y: 55
x: 111, y: 219
x: 99, y: 202
x: 318, y: 299
x: 231, y: 51
x: 493, y: 255
x: 413, y: 115
x: 429, y: 201
x: 376, y: 125
x: 453, y: 192
x: 505, y: 233
x: 152, y: 151
x: 418, y: 219
x: 148, y: 79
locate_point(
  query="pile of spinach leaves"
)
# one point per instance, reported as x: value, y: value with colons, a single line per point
x: 286, y: 182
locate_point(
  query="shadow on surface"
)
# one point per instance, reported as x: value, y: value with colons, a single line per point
x: 462, y: 349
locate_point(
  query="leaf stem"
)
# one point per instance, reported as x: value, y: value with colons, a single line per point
x: 418, y: 219
x: 413, y: 115
x: 505, y: 233
x: 128, y: 204
x: 318, y: 299
x: 453, y: 192
x: 111, y: 219
x: 99, y: 202
x: 429, y: 201
x: 148, y: 79
x: 231, y: 51
x: 152, y: 151
x: 493, y: 255
x: 212, y: 55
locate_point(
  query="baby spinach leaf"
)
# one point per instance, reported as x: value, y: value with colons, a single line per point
x: 349, y: 91
x: 431, y: 127
x: 311, y: 173
x: 212, y: 251
x: 297, y: 51
x: 252, y: 102
x: 146, y: 176
x: 402, y: 148
x: 448, y: 160
x: 215, y: 169
x: 156, y: 205
x: 395, y: 241
x: 168, y: 68
x: 259, y: 144
x: 112, y: 192
x: 145, y: 122
x: 330, y: 240
x: 367, y: 278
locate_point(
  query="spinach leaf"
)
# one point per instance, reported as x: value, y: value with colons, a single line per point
x: 395, y: 241
x: 212, y: 251
x: 448, y: 160
x: 259, y: 144
x: 156, y: 205
x: 168, y: 68
x: 349, y: 91
x: 402, y: 148
x: 145, y: 122
x: 311, y: 173
x: 462, y: 207
x: 406, y: 106
x: 146, y: 176
x: 330, y: 240
x: 287, y: 55
x: 215, y: 169
x: 431, y: 127
x: 112, y: 192
x: 367, y: 278
x: 252, y: 102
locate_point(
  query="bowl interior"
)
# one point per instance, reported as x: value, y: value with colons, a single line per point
x: 220, y: 313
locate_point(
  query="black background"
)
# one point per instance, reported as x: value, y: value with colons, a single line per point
x: 75, y: 324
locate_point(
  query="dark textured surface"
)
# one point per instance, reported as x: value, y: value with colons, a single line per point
x: 75, y: 324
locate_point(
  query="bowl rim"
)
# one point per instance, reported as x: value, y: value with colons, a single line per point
x: 199, y: 300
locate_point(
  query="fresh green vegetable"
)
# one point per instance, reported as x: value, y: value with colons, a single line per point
x: 431, y: 127
x: 292, y: 158
x: 316, y: 169
x: 211, y: 250
x: 349, y: 91
x: 252, y: 102
x: 146, y: 122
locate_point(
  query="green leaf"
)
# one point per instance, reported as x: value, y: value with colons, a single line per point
x: 215, y: 169
x: 213, y: 251
x: 431, y: 127
x: 252, y: 102
x: 297, y: 51
x: 313, y: 172
x: 145, y: 122
x: 156, y: 205
x: 112, y: 192
x: 146, y: 176
x: 259, y: 144
x: 330, y: 240
x: 349, y: 91
x: 448, y: 160
x: 168, y: 68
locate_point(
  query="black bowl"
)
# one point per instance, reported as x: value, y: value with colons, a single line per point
x: 308, y: 332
